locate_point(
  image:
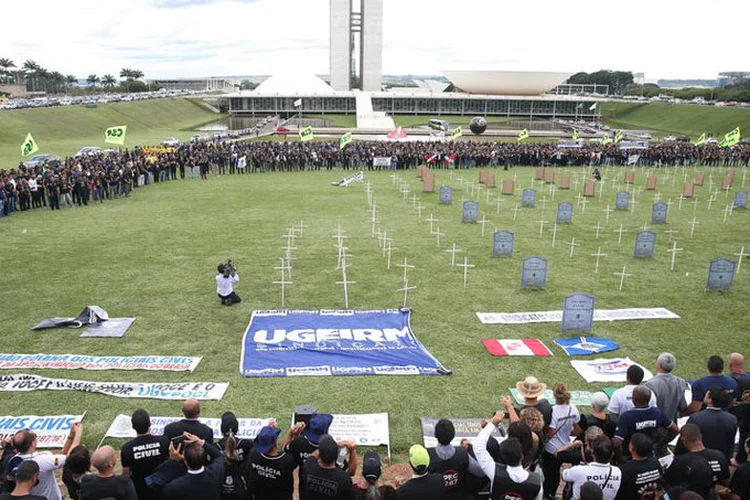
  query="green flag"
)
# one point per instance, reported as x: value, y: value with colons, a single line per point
x: 731, y: 138
x: 306, y: 134
x: 619, y: 136
x: 579, y: 105
x: 523, y: 134
x: 576, y: 134
x: 345, y: 139
x: 701, y: 139
x: 29, y: 146
x: 456, y: 133
x: 606, y: 140
x: 115, y: 135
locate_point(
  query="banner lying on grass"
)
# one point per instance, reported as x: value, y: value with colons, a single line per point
x: 51, y: 431
x: 75, y: 362
x: 187, y: 390
x: 556, y: 316
x: 122, y: 428
x: 607, y: 370
x: 585, y: 346
x: 295, y: 343
x: 577, y: 398
x: 516, y: 347
x: 466, y: 428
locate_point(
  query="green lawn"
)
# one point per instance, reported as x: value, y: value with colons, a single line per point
x: 154, y: 255
x: 65, y: 130
x: 670, y: 119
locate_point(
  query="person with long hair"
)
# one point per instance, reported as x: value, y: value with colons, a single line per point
x: 236, y: 451
x: 564, y: 423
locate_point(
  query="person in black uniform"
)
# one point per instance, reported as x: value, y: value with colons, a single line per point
x: 192, y: 410
x: 202, y: 481
x: 323, y: 479
x: 450, y: 461
x: 270, y: 474
x: 141, y: 456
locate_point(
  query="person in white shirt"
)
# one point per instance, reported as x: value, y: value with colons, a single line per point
x: 25, y: 442
x: 606, y: 476
x: 509, y: 479
x: 225, y: 281
x: 622, y: 399
x: 564, y: 423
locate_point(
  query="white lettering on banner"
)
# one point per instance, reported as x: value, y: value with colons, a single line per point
x: 305, y: 371
x: 186, y: 390
x: 366, y: 430
x: 51, y: 431
x: 330, y: 334
x: 123, y: 429
x: 75, y: 361
x: 556, y: 316
x: 381, y: 161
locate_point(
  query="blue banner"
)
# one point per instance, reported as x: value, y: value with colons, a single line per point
x: 584, y: 346
x: 299, y: 343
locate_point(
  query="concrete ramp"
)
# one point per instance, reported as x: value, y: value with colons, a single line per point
x: 367, y: 118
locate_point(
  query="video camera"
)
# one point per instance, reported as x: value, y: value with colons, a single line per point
x: 227, y: 269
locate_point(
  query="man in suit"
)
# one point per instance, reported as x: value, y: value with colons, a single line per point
x: 192, y: 410
x: 202, y: 481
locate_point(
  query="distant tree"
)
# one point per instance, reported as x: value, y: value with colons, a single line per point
x: 130, y: 76
x: 31, y: 68
x: 56, y: 82
x: 70, y: 81
x: 5, y: 73
x: 580, y: 78
x: 618, y: 81
x: 109, y: 81
x: 93, y: 80
x: 247, y: 85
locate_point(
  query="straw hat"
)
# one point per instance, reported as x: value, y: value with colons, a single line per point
x: 530, y: 387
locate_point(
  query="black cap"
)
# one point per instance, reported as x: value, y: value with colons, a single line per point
x: 371, y: 468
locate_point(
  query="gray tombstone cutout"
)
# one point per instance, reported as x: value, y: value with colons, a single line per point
x: 529, y: 198
x: 659, y: 213
x: 622, y: 202
x: 534, y: 272
x: 740, y: 199
x: 578, y: 312
x: 470, y: 211
x: 446, y: 195
x: 565, y: 212
x: 502, y: 244
x: 644, y: 244
x: 720, y: 274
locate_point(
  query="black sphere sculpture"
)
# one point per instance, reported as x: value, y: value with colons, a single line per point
x: 478, y: 125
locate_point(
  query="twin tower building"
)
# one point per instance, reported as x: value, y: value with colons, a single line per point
x: 356, y: 47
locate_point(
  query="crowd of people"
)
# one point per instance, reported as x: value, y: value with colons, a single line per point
x: 85, y: 179
x: 617, y: 450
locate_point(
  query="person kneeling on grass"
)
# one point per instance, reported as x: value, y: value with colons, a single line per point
x: 225, y: 281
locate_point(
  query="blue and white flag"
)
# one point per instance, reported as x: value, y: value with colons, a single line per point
x: 584, y: 346
x: 324, y: 343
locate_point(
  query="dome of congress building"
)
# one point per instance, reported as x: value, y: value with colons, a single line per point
x: 505, y: 82
x: 293, y: 84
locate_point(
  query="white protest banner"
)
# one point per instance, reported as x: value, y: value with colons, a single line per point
x: 358, y: 177
x: 75, y: 362
x: 607, y: 370
x: 556, y: 316
x: 369, y: 429
x: 51, y: 431
x: 381, y: 161
x: 148, y: 390
x: 122, y: 428
x: 466, y: 428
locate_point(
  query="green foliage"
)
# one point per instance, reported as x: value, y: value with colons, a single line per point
x: 618, y: 81
x: 739, y: 93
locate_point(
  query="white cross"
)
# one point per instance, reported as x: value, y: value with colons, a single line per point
x: 726, y: 191
x: 374, y: 231
x: 515, y: 212
x: 572, y: 244
x: 544, y: 203
x: 727, y: 211
x: 431, y: 220
x: 466, y: 267
x: 419, y: 208
x: 692, y: 226
x: 346, y: 284
x: 414, y: 200
x: 285, y: 266
x: 301, y: 228
x: 619, y: 235
x: 405, y: 191
x: 386, y: 242
x: 283, y: 284
x: 342, y: 255
x: 679, y: 202
x: 711, y: 200
x: 388, y: 251
x: 552, y: 191
x: 598, y: 228
x: 488, y: 196
x: 406, y: 266
x: 583, y: 206
x: 290, y: 236
x: 608, y: 210
x: 645, y: 226
x: 438, y: 234
x: 453, y: 251
x: 288, y: 249
x: 598, y: 254
x: 542, y: 222
x: 483, y: 222
x: 741, y: 255
x: 382, y: 237
x: 498, y: 201
x: 406, y: 289
x: 670, y: 232
x: 673, y: 251
x: 622, y: 274
x: 579, y: 197
x: 632, y: 202
x: 657, y: 197
x: 575, y: 183
x: 695, y: 204
x: 554, y: 234
x: 744, y: 173
x: 393, y: 178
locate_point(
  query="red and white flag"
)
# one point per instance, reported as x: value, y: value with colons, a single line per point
x: 397, y: 133
x: 450, y: 159
x: 431, y: 158
x: 516, y: 347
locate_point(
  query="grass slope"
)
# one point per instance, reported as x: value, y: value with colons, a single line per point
x: 673, y: 119
x: 64, y: 130
x: 154, y: 255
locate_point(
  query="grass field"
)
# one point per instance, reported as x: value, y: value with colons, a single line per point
x: 154, y: 256
x: 65, y: 130
x: 670, y: 119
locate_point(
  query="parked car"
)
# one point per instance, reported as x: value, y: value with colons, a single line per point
x: 683, y: 138
x: 670, y: 138
x: 89, y: 151
x: 170, y: 141
x: 52, y: 161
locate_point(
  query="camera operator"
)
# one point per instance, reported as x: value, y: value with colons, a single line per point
x: 225, y: 281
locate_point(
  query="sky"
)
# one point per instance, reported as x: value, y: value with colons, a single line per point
x: 191, y: 38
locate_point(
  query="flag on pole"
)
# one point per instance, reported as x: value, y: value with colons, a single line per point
x: 516, y: 347
x: 29, y: 146
x: 298, y: 103
x: 606, y: 139
x: 345, y: 139
x: 731, y: 138
x: 448, y: 160
x: 619, y: 136
x: 579, y: 105
x: 397, y: 133
x: 115, y: 135
x: 306, y: 134
x: 456, y: 133
x: 431, y: 158
x: 242, y: 162
x: 523, y: 134
x: 701, y: 139
x: 592, y: 107
x: 576, y: 134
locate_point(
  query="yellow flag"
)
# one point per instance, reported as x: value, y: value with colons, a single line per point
x: 619, y: 136
x: 306, y: 134
x: 29, y: 146
x: 116, y: 135
x: 523, y: 134
x: 457, y: 132
x: 344, y: 140
x: 606, y: 139
x: 732, y: 138
x: 701, y: 139
x: 576, y: 134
